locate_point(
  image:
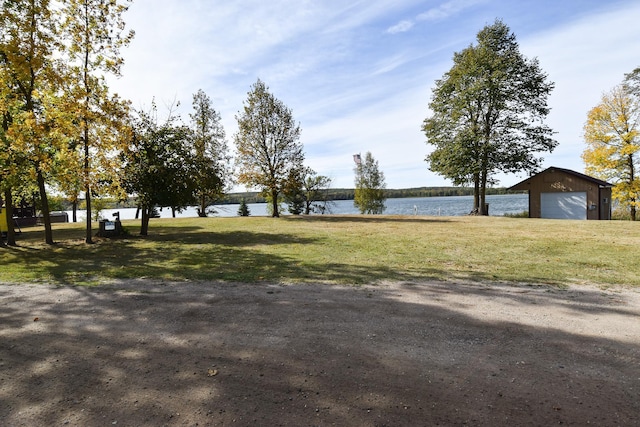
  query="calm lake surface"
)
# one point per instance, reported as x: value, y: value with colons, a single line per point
x: 428, y: 206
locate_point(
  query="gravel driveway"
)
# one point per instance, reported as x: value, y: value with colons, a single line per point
x: 142, y: 353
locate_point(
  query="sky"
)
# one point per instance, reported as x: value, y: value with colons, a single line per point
x: 358, y: 75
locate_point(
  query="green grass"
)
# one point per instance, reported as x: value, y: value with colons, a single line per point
x: 336, y: 249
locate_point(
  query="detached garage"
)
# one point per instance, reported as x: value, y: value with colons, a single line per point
x: 565, y: 194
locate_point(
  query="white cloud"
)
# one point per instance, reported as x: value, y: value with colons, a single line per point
x: 446, y: 10
x: 401, y: 27
x: 442, y: 12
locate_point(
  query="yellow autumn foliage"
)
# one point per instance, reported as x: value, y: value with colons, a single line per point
x: 612, y: 137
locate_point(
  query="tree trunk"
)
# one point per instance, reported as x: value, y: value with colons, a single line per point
x: 74, y: 210
x: 202, y: 212
x: 483, y: 194
x: 48, y: 234
x: 87, y: 191
x: 274, y: 204
x: 632, y: 178
x: 2, y: 244
x: 11, y: 231
x: 85, y: 123
x: 87, y: 197
x: 144, y: 224
x: 476, y: 192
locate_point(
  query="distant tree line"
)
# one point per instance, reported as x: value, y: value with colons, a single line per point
x: 349, y: 193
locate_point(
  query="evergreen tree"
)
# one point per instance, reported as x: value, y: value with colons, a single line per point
x: 293, y: 192
x: 243, y: 210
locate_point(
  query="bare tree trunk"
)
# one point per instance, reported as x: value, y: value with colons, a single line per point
x: 202, y: 212
x: 87, y: 191
x: 74, y: 210
x: 632, y: 177
x: 274, y: 204
x: 483, y: 194
x: 144, y: 224
x: 11, y: 231
x: 48, y: 234
x: 85, y: 121
x: 476, y: 192
x: 2, y: 244
x: 88, y: 238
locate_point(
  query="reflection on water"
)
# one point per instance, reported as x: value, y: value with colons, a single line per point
x: 429, y: 206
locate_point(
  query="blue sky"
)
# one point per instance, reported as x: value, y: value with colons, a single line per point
x: 358, y: 74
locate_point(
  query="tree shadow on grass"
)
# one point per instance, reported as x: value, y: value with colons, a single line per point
x: 195, y: 236
x: 367, y: 218
x: 192, y: 254
x: 216, y: 354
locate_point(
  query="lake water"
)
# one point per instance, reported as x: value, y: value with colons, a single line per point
x: 428, y: 206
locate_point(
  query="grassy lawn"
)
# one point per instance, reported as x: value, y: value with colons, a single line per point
x: 336, y: 249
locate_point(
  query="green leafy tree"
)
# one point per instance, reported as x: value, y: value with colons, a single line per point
x: 369, y: 192
x: 94, y: 33
x: 159, y: 166
x: 316, y: 192
x: 612, y: 135
x: 488, y: 113
x: 210, y: 146
x: 268, y: 144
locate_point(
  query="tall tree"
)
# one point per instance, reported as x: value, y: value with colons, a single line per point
x: 612, y: 135
x: 159, y: 166
x: 211, y: 152
x: 30, y: 79
x: 94, y: 34
x: 268, y: 144
x: 488, y: 112
x: 369, y: 192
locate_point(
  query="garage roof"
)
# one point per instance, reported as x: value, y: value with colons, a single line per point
x: 522, y: 184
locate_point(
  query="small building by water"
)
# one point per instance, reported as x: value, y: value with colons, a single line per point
x: 565, y: 194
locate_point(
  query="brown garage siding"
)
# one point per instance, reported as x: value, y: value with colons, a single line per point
x: 559, y: 180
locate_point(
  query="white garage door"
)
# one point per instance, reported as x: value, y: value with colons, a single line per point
x: 564, y: 205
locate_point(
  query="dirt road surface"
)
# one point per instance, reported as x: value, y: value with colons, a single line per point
x: 142, y: 353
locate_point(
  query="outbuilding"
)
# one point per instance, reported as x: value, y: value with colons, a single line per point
x: 565, y: 194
